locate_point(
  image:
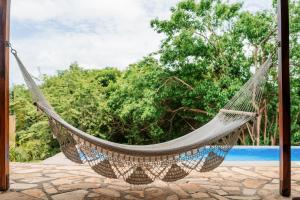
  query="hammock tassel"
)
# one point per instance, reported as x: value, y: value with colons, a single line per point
x: 174, y: 173
x: 139, y: 177
x: 104, y: 168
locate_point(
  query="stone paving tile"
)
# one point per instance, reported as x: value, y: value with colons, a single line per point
x: 49, y: 189
x: 38, y: 193
x: 16, y: 196
x: 254, y: 183
x: 40, y: 181
x: 22, y: 186
x: 74, y: 195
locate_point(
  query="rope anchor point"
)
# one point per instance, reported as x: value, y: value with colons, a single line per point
x: 12, y: 50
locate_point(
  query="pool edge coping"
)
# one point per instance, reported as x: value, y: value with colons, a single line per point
x: 257, y: 163
x: 261, y: 147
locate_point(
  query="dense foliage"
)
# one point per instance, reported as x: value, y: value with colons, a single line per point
x: 209, y: 50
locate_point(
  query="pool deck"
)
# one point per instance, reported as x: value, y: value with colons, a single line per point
x: 64, y: 180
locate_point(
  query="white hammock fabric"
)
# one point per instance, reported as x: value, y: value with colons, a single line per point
x: 202, y: 150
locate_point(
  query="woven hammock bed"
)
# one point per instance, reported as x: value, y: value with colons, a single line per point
x: 202, y: 150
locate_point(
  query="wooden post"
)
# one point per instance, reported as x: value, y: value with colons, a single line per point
x: 284, y: 98
x: 4, y: 94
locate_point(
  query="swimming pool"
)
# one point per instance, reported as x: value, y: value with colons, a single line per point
x: 250, y: 153
x: 244, y: 153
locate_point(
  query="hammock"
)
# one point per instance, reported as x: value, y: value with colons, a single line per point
x: 202, y: 150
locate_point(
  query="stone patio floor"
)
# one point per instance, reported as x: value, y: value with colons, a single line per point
x: 31, y: 181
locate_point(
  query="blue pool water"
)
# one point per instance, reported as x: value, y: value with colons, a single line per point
x: 259, y: 154
x: 246, y: 153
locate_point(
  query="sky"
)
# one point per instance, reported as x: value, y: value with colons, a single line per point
x: 49, y: 35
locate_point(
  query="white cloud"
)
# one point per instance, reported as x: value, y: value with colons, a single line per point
x: 73, y: 10
x: 51, y: 34
x: 94, y: 33
x: 255, y: 5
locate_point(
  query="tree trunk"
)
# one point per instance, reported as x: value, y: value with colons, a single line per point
x: 274, y: 137
x: 251, y: 132
x: 265, y: 121
x: 258, y: 126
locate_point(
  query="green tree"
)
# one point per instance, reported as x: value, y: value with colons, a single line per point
x: 211, y: 47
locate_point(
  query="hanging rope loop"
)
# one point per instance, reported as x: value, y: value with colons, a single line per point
x: 12, y: 50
